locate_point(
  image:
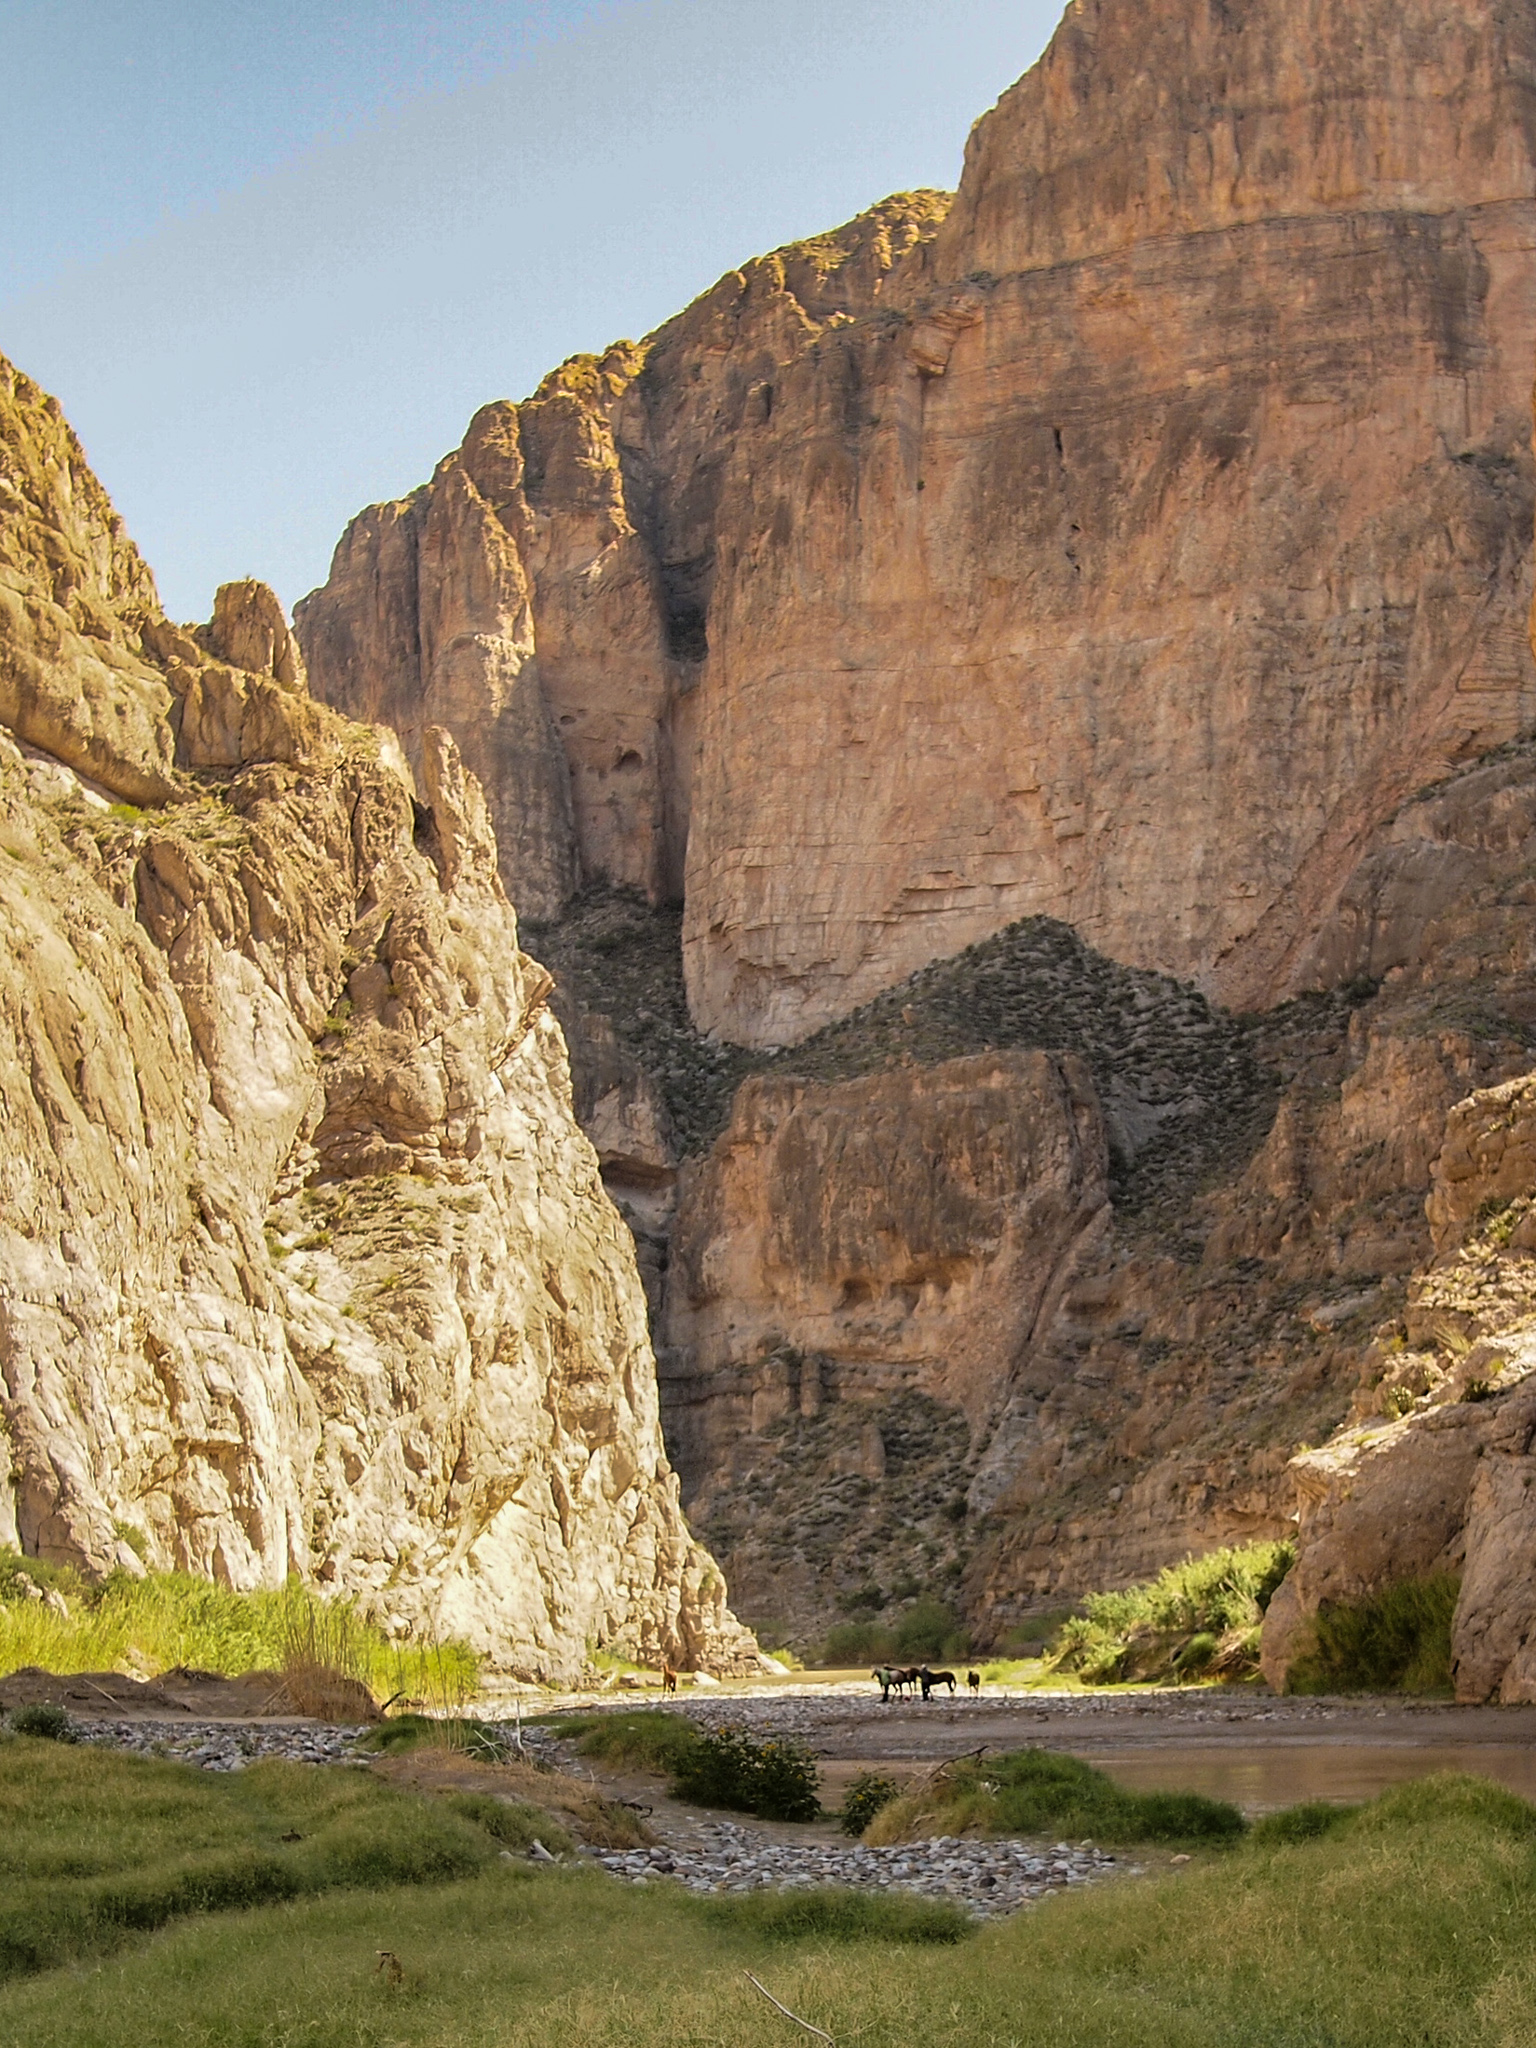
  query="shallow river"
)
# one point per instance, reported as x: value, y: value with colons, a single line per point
x: 1264, y: 1775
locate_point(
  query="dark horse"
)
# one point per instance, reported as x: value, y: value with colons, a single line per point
x: 896, y: 1678
x: 929, y: 1679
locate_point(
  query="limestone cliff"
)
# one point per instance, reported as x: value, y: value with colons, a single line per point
x: 1122, y: 545
x: 304, y: 1263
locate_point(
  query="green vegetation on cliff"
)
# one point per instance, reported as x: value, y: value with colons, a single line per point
x: 1398, y: 1641
x: 1197, y: 1619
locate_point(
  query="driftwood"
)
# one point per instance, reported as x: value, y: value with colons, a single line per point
x: 786, y: 2011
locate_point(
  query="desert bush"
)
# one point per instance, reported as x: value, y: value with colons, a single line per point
x: 1198, y: 1617
x: 856, y: 1642
x: 729, y: 1767
x: 1398, y: 1641
x: 929, y: 1629
x: 45, y: 1722
x: 865, y: 1796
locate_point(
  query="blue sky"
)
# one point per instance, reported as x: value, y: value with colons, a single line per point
x: 271, y: 254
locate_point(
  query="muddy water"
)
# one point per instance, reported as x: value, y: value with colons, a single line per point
x: 1263, y: 1776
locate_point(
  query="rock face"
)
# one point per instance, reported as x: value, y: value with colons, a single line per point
x: 304, y: 1263
x: 1123, y: 545
x: 1447, y: 1481
x: 860, y: 1262
x: 545, y: 594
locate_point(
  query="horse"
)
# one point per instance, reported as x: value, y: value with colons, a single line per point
x: 885, y: 1678
x: 668, y: 1679
x: 929, y: 1679
x: 973, y: 1680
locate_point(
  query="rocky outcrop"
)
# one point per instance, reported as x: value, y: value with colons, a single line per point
x: 862, y: 1261
x: 1123, y: 544
x: 545, y: 594
x: 1438, y: 1471
x: 304, y: 1263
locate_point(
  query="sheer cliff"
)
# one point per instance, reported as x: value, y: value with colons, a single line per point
x: 1121, y: 544
x: 304, y: 1263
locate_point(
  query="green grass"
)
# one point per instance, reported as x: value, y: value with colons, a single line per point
x: 1400, y: 1641
x: 1198, y: 1618
x: 649, y: 1739
x: 96, y: 1846
x: 1412, y: 1922
x: 172, y: 1618
x: 1041, y: 1792
x: 401, y: 1732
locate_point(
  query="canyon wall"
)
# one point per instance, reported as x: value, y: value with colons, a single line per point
x: 1122, y: 544
x: 304, y: 1263
x: 985, y: 634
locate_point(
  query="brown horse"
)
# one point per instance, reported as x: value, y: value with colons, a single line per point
x: 929, y: 1679
x: 973, y: 1680
x: 668, y: 1678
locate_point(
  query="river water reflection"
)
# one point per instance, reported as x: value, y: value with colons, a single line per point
x: 1259, y: 1777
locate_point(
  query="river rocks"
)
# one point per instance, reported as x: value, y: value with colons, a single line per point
x: 305, y: 1266
x: 990, y: 1879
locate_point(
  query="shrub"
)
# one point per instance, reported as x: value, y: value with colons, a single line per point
x: 1199, y: 1616
x: 648, y: 1740
x: 1039, y: 1791
x: 730, y: 1768
x: 929, y: 1629
x: 865, y: 1796
x: 1398, y: 1641
x: 46, y: 1722
x: 856, y: 1642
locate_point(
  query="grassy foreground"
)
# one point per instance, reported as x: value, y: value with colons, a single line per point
x: 1412, y: 1920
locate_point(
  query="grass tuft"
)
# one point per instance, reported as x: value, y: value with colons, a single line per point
x: 837, y: 1914
x: 1040, y: 1791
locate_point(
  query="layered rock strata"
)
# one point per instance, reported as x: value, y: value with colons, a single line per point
x: 304, y: 1263
x: 1122, y: 545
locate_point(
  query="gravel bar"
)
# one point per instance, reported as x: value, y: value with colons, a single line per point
x: 990, y: 1879
x: 222, y: 1746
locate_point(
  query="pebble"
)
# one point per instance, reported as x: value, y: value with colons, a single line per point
x: 990, y: 1879
x: 222, y: 1746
